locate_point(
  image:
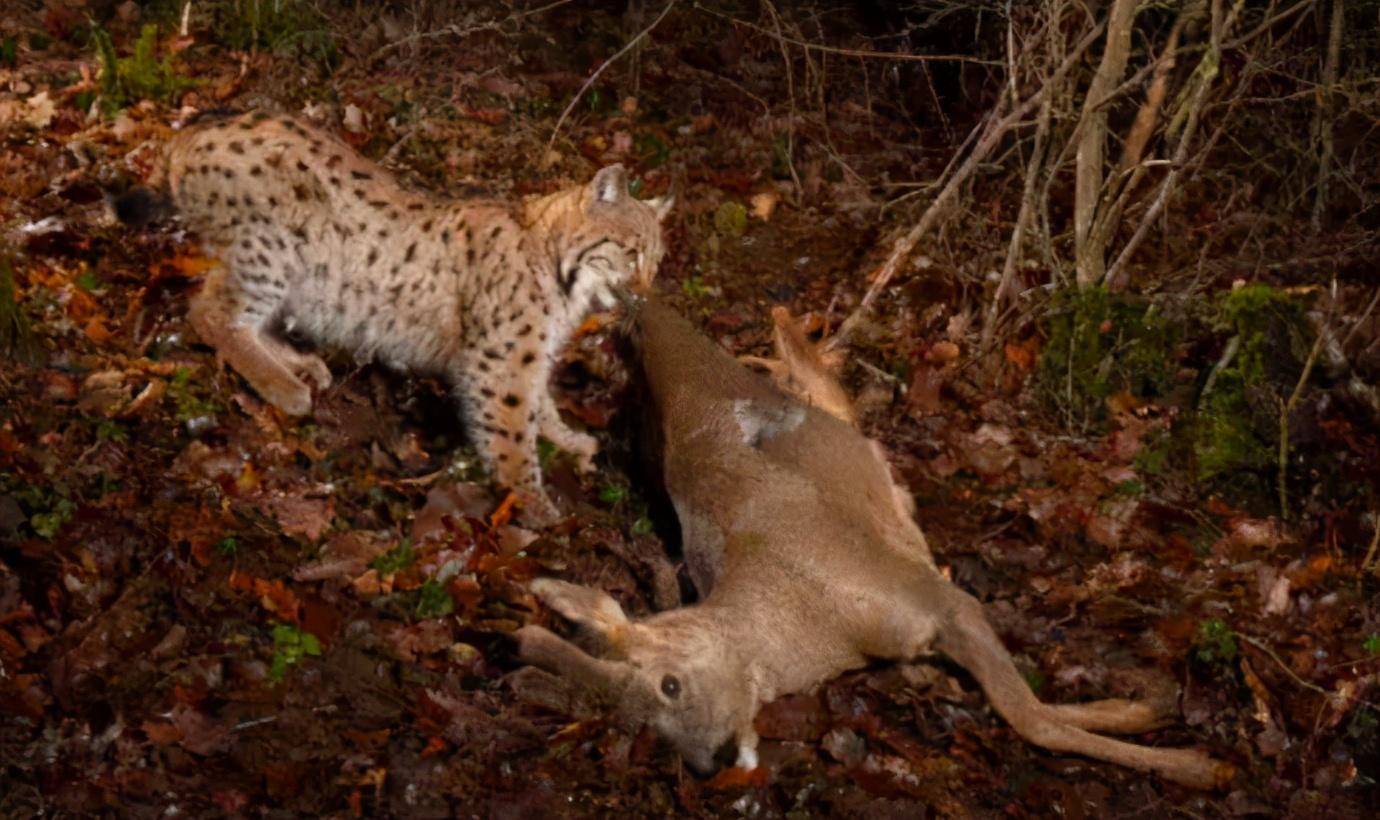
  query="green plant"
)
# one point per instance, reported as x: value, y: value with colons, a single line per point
x: 88, y: 281
x: 227, y: 547
x: 48, y: 507
x: 694, y: 287
x: 433, y: 600
x: 140, y: 76
x: 1215, y: 642
x: 187, y: 397
x: 1371, y: 644
x: 111, y: 430
x: 613, y: 493
x: 395, y: 560
x: 290, y: 646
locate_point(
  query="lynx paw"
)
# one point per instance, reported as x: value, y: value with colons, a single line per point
x: 581, y: 445
x: 312, y: 369
x: 584, y: 447
x: 538, y: 511
x: 294, y: 399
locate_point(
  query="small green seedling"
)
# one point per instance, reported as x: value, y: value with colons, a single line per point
x: 433, y: 601
x: 395, y: 560
x: 1216, y: 642
x: 290, y: 646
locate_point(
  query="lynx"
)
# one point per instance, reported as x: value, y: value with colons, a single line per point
x: 316, y: 239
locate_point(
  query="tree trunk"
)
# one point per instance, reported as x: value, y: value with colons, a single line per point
x: 1090, y: 255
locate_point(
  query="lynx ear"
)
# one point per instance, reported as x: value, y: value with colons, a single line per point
x: 609, y: 185
x: 662, y: 205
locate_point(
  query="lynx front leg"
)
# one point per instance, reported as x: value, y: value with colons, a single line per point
x: 503, y: 413
x: 231, y: 321
x: 582, y: 445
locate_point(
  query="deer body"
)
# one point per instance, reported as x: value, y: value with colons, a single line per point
x: 807, y: 564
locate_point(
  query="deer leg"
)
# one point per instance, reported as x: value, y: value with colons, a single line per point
x: 966, y: 637
x: 1115, y: 715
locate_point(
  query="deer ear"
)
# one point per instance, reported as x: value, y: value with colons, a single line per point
x: 662, y: 205
x: 610, y: 185
x: 585, y: 606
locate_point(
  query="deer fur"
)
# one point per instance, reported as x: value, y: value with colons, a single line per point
x: 807, y: 566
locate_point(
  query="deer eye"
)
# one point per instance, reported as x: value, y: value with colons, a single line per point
x: 670, y: 686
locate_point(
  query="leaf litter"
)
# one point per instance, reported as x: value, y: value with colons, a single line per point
x: 200, y: 597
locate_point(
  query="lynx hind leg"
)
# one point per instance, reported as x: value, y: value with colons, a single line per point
x: 582, y: 445
x: 232, y: 319
x: 503, y: 425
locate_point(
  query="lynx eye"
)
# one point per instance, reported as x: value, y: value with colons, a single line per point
x: 670, y: 686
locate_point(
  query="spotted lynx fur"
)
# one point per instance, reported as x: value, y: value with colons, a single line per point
x: 316, y: 239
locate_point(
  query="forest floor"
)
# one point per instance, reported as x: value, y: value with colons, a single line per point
x: 208, y: 608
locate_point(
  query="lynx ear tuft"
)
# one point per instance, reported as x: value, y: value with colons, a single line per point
x: 609, y: 185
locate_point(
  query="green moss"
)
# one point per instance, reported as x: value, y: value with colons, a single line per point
x: 1236, y: 430
x: 1099, y: 344
x: 731, y: 220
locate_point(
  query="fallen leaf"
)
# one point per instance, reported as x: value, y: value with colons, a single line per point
x: 737, y: 777
x: 308, y: 517
x: 764, y: 204
x: 353, y: 119
x: 41, y: 111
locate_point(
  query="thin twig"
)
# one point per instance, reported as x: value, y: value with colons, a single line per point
x: 1288, y: 407
x: 600, y: 70
x: 1364, y: 316
x: 850, y: 52
x: 1228, y: 353
x: 1309, y: 685
x: 1366, y: 564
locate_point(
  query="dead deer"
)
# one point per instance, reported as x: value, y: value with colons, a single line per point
x: 806, y: 567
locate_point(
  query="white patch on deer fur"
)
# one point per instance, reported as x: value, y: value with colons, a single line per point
x: 758, y: 422
x: 747, y: 757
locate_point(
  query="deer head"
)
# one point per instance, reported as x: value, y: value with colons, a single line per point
x: 673, y: 672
